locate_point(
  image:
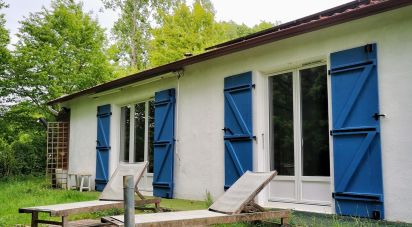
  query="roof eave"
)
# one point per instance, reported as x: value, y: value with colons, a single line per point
x: 240, y: 46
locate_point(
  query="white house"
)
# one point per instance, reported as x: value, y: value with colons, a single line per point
x: 324, y: 100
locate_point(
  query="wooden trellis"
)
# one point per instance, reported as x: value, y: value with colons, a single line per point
x: 57, y: 153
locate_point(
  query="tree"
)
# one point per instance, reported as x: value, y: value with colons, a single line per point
x: 191, y: 30
x: 4, y: 41
x: 22, y: 140
x: 231, y: 30
x: 264, y: 25
x: 4, y: 52
x: 132, y: 30
x: 59, y: 51
x: 185, y: 30
x: 153, y: 32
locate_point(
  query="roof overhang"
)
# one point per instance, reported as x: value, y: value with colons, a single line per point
x: 240, y: 45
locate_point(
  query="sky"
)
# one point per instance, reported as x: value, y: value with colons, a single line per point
x: 249, y: 12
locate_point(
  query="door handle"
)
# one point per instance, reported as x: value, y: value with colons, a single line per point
x: 227, y: 130
x: 377, y: 115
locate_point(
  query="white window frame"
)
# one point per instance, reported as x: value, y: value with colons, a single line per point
x: 298, y: 177
x: 132, y: 133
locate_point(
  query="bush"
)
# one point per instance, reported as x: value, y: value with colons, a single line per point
x: 25, y: 155
x: 29, y: 154
x: 7, y: 161
x: 22, y: 140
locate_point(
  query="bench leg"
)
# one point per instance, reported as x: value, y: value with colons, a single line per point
x: 157, y: 207
x: 65, y: 221
x: 69, y: 185
x: 81, y: 183
x: 76, y: 182
x: 34, y: 218
x: 284, y: 221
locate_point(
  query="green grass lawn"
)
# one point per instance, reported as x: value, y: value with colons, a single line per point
x: 35, y: 191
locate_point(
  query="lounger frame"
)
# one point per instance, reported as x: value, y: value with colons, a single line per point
x: 235, y: 205
x: 283, y: 215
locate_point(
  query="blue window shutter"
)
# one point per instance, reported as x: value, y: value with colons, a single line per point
x: 102, y: 146
x: 238, y: 129
x: 356, y: 133
x: 164, y: 143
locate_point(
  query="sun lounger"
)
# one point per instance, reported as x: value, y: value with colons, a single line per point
x: 235, y: 205
x: 111, y: 197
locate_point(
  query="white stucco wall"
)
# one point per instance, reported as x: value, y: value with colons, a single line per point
x: 83, y: 123
x: 199, y: 164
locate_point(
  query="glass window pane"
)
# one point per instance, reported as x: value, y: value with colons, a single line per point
x: 151, y: 136
x: 282, y: 124
x: 124, y: 133
x: 139, y: 129
x: 315, y: 128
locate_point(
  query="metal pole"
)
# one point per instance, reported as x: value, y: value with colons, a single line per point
x: 128, y: 195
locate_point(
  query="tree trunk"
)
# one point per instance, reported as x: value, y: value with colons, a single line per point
x: 132, y: 41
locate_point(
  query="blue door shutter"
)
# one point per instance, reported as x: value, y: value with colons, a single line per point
x: 356, y: 133
x: 102, y: 146
x: 238, y: 130
x: 164, y: 143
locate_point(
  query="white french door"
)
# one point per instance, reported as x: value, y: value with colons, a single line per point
x: 136, y: 138
x: 299, y: 138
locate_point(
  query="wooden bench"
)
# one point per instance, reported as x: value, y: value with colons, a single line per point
x: 64, y: 210
x: 111, y: 197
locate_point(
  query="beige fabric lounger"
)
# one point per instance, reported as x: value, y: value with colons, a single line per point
x: 111, y: 197
x: 235, y: 205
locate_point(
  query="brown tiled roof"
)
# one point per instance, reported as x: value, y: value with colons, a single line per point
x: 337, y: 15
x: 324, y: 15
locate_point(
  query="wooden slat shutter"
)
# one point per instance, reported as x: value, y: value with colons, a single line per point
x: 238, y: 129
x: 102, y: 146
x: 356, y: 133
x: 164, y: 143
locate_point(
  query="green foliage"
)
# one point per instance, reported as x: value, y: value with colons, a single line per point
x: 7, y: 159
x: 4, y: 52
x: 132, y: 30
x: 20, y: 118
x: 208, y: 199
x: 150, y: 33
x: 21, y: 140
x: 59, y: 51
x: 117, y: 58
x: 4, y: 39
x: 23, y: 148
x: 29, y: 153
x: 191, y: 30
x: 263, y: 25
x: 185, y: 30
x: 231, y: 30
